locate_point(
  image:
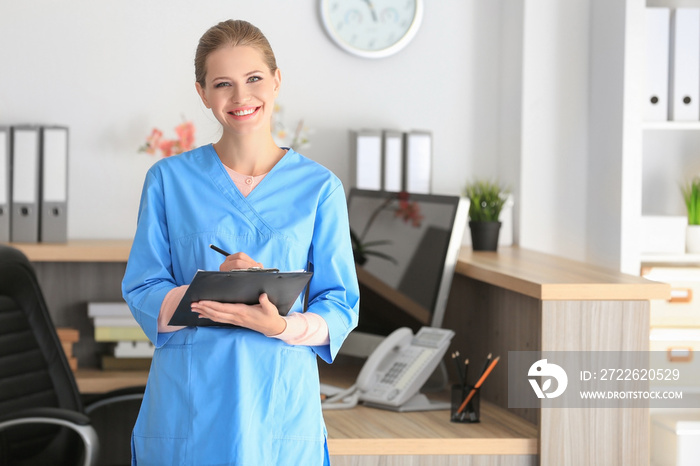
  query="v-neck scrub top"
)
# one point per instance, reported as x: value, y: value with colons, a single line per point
x: 232, y: 396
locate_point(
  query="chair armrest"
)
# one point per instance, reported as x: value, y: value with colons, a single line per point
x: 115, y: 396
x: 68, y: 415
x: 79, y: 422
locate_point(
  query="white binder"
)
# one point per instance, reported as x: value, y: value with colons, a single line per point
x: 418, y: 162
x: 4, y: 184
x: 685, y: 65
x: 367, y: 159
x: 53, y: 221
x: 393, y: 161
x: 24, y: 220
x: 658, y: 25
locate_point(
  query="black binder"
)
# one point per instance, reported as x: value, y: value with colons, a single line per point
x: 239, y: 286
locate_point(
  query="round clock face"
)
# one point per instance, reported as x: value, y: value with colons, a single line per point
x: 371, y: 28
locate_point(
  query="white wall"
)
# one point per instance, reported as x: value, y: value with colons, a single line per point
x: 531, y: 92
x: 113, y: 70
x: 554, y: 147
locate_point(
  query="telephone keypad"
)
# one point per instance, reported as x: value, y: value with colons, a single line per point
x: 395, y: 370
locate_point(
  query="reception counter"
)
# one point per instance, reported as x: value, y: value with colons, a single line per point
x: 512, y: 300
x: 520, y: 300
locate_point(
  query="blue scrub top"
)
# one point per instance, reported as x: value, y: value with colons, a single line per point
x: 231, y: 396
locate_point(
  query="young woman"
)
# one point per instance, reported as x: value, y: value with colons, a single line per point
x: 246, y: 395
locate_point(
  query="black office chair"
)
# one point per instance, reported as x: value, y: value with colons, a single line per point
x: 43, y: 419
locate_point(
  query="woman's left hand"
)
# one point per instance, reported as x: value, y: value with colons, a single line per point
x: 263, y: 317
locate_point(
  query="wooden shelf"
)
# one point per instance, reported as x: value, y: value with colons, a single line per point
x: 670, y: 259
x: 93, y: 381
x: 77, y: 251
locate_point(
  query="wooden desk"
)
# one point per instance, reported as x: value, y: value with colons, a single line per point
x: 519, y: 300
x: 372, y: 437
x: 77, y: 251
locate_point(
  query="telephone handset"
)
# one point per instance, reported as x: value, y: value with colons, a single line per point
x: 395, y: 372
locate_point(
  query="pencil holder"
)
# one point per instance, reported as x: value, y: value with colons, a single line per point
x: 470, y: 412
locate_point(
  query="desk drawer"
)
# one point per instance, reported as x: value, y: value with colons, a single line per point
x: 683, y: 309
x: 676, y: 348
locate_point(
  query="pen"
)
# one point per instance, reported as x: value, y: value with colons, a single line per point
x: 460, y: 374
x: 478, y: 384
x: 466, y: 371
x: 219, y: 250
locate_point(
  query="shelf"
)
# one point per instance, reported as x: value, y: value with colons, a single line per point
x: 92, y: 381
x: 671, y: 125
x: 77, y: 251
x: 670, y: 259
x: 674, y: 3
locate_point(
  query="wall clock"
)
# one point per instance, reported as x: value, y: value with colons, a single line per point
x: 371, y: 28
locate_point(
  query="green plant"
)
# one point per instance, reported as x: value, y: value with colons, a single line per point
x: 486, y: 199
x: 691, y: 195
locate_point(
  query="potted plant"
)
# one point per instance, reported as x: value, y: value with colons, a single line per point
x: 486, y: 200
x: 691, y: 195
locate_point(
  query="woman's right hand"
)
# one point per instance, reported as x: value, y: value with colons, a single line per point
x: 239, y: 260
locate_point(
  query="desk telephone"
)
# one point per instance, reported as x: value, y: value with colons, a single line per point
x: 395, y: 372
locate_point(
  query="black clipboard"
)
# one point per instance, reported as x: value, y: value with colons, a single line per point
x: 239, y: 286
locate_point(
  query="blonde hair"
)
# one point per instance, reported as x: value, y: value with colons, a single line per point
x: 231, y: 33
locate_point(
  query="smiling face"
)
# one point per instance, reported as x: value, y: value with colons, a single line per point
x: 240, y: 89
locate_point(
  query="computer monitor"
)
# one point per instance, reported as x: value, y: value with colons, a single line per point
x: 405, y: 273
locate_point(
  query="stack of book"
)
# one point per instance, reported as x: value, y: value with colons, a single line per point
x: 68, y: 337
x: 114, y: 323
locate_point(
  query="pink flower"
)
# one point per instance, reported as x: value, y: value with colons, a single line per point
x: 167, y: 147
x: 153, y: 141
x: 185, y: 132
x: 409, y: 211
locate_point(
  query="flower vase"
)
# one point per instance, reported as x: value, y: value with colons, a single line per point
x: 692, y: 239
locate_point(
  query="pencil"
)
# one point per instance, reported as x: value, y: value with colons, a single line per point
x: 219, y: 250
x: 488, y: 361
x: 478, y: 384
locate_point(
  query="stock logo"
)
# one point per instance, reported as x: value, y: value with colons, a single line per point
x: 548, y: 372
